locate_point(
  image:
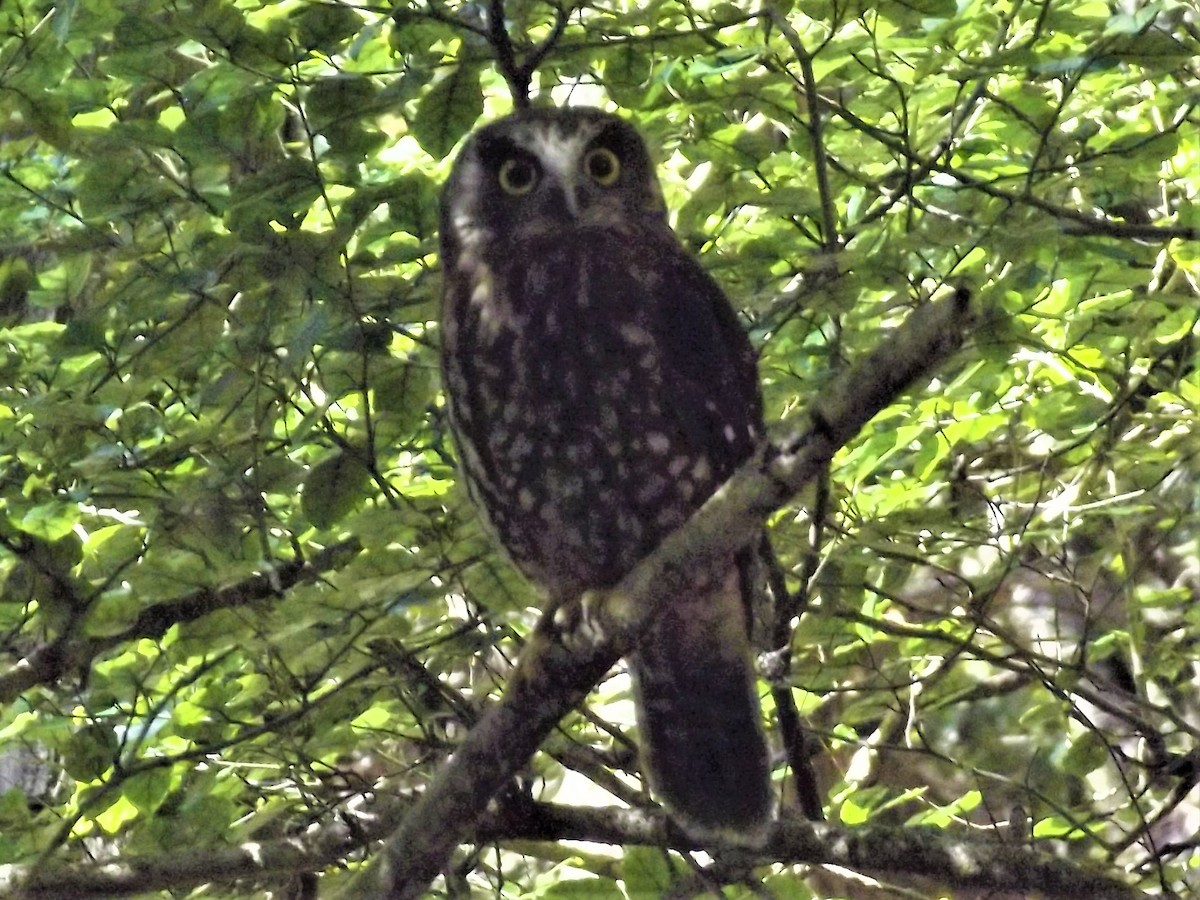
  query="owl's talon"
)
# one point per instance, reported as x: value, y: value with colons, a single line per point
x: 773, y: 665
x: 579, y: 627
x: 564, y: 618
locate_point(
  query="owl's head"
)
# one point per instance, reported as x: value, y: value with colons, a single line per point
x: 539, y: 172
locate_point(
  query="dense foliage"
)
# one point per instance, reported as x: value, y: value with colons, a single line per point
x: 240, y: 589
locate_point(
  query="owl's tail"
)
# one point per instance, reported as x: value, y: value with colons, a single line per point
x: 698, y: 714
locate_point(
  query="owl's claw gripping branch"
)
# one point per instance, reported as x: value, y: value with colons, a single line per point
x: 578, y: 623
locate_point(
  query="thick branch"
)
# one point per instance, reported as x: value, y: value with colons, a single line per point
x: 183, y: 868
x: 518, y: 75
x: 930, y: 853
x: 553, y: 677
x: 979, y: 861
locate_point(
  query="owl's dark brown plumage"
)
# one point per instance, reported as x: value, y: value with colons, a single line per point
x: 600, y: 390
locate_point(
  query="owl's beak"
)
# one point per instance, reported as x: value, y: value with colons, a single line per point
x: 567, y: 197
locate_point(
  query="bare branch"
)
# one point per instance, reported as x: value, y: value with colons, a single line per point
x: 961, y: 862
x: 812, y: 100
x: 519, y: 73
x: 121, y: 878
x: 506, y: 55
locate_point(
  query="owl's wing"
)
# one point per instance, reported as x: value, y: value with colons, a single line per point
x: 707, y: 356
x: 705, y: 752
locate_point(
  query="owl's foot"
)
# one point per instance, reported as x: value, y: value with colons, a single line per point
x: 774, y: 665
x: 580, y: 622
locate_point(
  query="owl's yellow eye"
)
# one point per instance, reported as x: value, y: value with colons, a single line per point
x: 602, y: 166
x: 517, y: 176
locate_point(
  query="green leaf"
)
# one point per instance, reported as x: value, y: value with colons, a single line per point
x: 334, y: 487
x: 646, y: 873
x: 581, y: 888
x: 90, y: 752
x: 323, y: 26
x: 850, y: 813
x: 1087, y: 753
x: 112, y: 613
x: 1056, y: 827
x: 448, y: 110
x: 402, y: 391
x: 118, y: 814
x: 147, y: 790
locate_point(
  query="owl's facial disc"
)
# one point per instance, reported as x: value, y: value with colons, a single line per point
x: 540, y: 174
x: 576, y: 171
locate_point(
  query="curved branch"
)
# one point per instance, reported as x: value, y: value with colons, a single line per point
x: 976, y: 861
x: 506, y: 55
x: 797, y: 745
x: 812, y: 99
x: 562, y: 15
x: 519, y: 74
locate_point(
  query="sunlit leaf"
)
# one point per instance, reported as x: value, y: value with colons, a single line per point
x: 448, y: 110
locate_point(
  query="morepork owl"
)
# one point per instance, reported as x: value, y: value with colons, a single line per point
x: 600, y: 389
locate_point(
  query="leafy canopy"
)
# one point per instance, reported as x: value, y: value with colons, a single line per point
x: 240, y: 587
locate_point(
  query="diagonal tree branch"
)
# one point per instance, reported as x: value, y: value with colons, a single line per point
x: 564, y: 659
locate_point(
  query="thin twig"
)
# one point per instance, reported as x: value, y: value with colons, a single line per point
x: 812, y: 99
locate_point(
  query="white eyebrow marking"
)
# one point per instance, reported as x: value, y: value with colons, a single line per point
x: 560, y: 152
